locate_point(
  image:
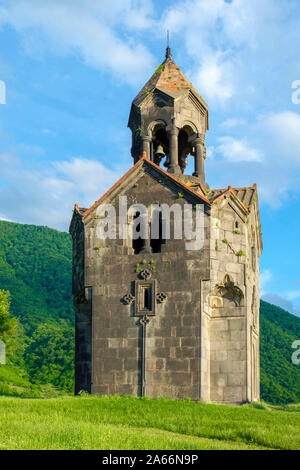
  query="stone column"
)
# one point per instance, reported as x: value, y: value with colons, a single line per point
x: 134, y: 154
x: 146, y: 248
x: 146, y: 141
x: 199, y: 158
x: 173, y: 146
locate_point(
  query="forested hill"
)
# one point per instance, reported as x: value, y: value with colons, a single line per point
x: 280, y: 378
x: 35, y: 266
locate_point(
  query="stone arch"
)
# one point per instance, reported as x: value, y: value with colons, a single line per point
x: 185, y: 146
x: 153, y: 124
x: 190, y: 127
x: 159, y: 141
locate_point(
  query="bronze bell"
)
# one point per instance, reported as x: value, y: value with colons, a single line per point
x: 159, y: 153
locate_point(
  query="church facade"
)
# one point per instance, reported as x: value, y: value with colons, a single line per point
x: 152, y: 317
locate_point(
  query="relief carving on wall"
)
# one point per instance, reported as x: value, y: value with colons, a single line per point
x: 226, y: 295
x: 145, y: 274
x: 145, y: 295
x: 127, y: 299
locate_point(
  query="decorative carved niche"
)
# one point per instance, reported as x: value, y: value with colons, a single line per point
x: 145, y: 298
x: 226, y: 295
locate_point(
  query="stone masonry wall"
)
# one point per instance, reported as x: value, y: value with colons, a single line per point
x: 173, y: 362
x: 228, y: 304
x: 201, y: 337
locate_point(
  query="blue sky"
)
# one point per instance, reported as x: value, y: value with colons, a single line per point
x: 71, y: 70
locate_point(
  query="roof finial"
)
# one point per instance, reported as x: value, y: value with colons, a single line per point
x: 168, y: 50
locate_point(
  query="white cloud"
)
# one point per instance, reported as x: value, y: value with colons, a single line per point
x: 265, y: 278
x: 283, y: 300
x: 234, y: 44
x: 2, y: 217
x: 231, y: 123
x: 265, y: 151
x: 88, y: 30
x: 232, y: 50
x: 47, y: 196
x: 139, y: 14
x: 284, y: 128
x: 212, y: 78
x: 226, y: 43
x: 235, y: 150
x: 292, y: 295
x: 200, y: 24
x: 210, y: 150
x: 280, y: 301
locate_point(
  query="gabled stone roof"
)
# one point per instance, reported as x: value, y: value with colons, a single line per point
x: 169, y: 79
x: 245, y: 195
x: 144, y: 160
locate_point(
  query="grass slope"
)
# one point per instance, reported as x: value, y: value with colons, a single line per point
x: 132, y: 423
x: 15, y: 383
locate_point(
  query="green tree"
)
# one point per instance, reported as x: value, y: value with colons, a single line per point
x: 8, y: 324
x: 49, y: 357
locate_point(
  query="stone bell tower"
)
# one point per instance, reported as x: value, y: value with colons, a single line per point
x: 169, y: 118
x: 153, y: 318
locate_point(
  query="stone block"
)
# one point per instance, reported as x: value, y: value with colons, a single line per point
x: 236, y: 379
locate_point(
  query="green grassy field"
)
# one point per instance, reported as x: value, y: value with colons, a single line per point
x: 114, y: 422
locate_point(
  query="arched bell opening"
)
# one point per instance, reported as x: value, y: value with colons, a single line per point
x: 160, y: 145
x: 185, y: 148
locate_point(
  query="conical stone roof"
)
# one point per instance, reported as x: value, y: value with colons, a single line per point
x: 169, y: 79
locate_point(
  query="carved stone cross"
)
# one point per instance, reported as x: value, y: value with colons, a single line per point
x: 145, y: 300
